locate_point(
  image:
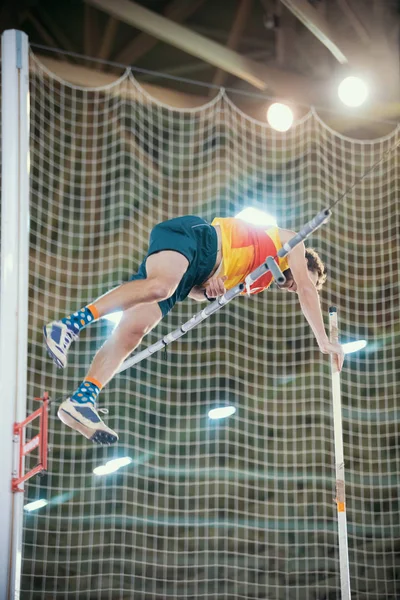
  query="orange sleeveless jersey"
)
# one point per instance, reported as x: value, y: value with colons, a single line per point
x: 244, y: 248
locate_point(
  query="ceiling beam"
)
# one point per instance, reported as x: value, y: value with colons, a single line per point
x: 380, y: 14
x: 45, y: 35
x: 90, y: 31
x: 108, y: 39
x: 56, y: 30
x: 281, y: 37
x: 181, y: 37
x: 177, y: 10
x: 238, y: 26
x: 293, y: 52
x: 354, y: 21
x: 221, y: 35
x: 285, y: 84
x: 196, y: 67
x: 317, y: 24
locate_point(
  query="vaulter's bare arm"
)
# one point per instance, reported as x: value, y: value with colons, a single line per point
x: 310, y: 304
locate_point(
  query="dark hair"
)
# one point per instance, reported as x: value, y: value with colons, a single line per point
x: 315, y: 265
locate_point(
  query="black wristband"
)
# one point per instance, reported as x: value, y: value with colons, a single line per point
x: 207, y: 298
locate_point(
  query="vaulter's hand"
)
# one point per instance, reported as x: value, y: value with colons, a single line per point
x: 336, y: 351
x: 215, y: 287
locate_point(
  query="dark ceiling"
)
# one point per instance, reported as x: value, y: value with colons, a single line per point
x: 271, y: 35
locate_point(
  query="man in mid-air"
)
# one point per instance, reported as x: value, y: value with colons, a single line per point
x: 187, y: 257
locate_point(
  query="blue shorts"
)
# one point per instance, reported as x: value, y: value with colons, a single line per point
x: 194, y: 238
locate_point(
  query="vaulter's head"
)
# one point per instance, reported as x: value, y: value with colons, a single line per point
x: 316, y: 268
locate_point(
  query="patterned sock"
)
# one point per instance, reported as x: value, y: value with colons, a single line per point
x: 78, y: 320
x: 87, y: 391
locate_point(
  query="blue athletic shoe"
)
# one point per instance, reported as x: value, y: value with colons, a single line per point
x: 58, y: 338
x: 85, y: 419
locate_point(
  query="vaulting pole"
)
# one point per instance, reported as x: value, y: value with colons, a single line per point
x: 339, y: 460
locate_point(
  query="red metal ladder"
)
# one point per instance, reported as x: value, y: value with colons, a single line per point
x: 25, y: 447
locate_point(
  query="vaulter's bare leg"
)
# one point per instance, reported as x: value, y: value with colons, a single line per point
x: 139, y: 301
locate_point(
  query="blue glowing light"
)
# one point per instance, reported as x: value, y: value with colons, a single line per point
x: 221, y: 412
x: 112, y: 465
x: 354, y: 346
x: 35, y: 505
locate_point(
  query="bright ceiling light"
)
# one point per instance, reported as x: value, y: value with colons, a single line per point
x: 257, y: 217
x: 112, y: 465
x: 352, y: 91
x: 35, y: 505
x: 354, y: 346
x: 114, y: 317
x: 280, y: 117
x: 221, y: 412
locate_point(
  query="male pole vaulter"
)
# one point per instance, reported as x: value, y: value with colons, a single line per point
x: 187, y: 257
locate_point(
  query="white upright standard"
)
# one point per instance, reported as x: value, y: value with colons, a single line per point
x: 14, y: 295
x: 339, y: 459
